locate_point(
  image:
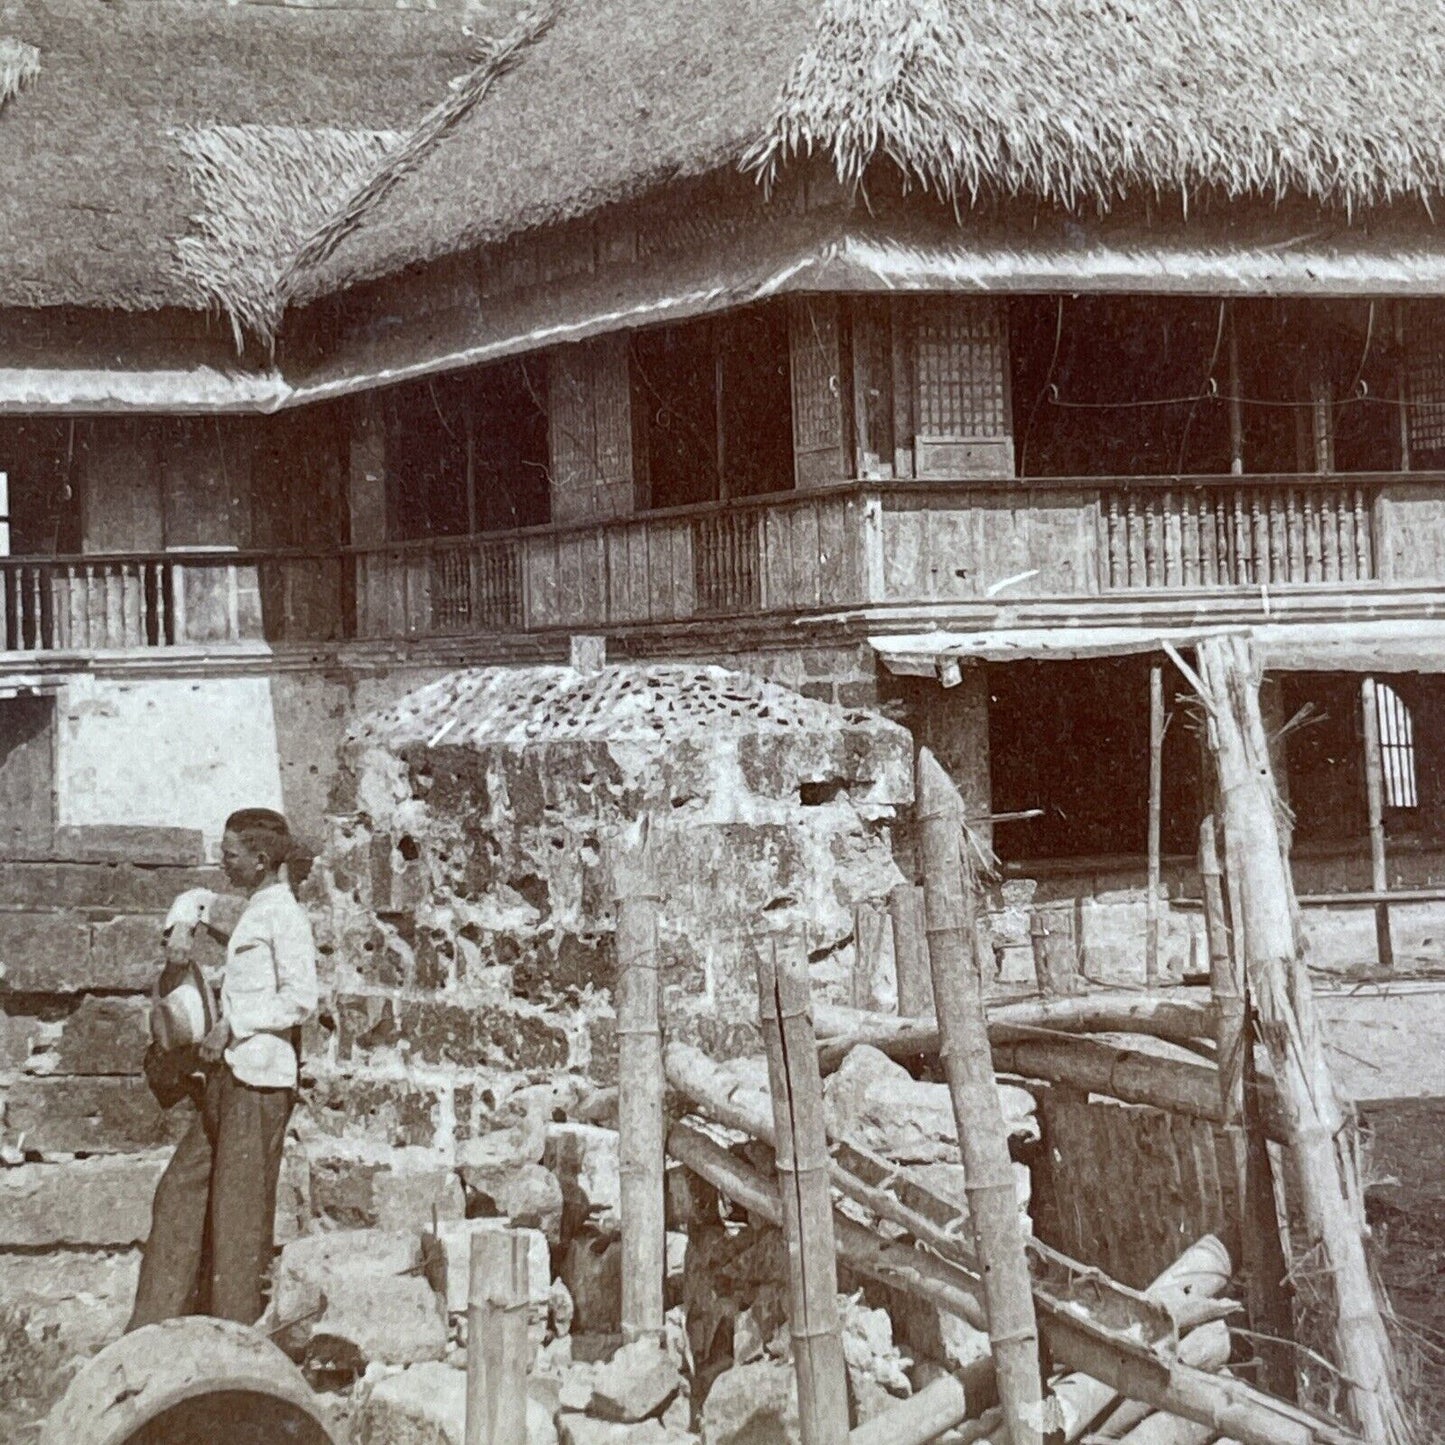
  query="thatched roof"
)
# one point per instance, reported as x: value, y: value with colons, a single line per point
x: 1067, y: 102
x: 144, y: 164
x: 617, y: 98
x: 1072, y: 101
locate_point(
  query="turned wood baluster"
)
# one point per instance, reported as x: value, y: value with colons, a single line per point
x: 1241, y: 542
x: 1364, y: 540
x: 1276, y: 538
x: 1294, y: 545
x: 1188, y: 523
x: 1118, y: 575
x: 1136, y: 546
x: 1312, y: 545
x: 1258, y: 538
x: 1175, y: 567
x: 1330, y: 535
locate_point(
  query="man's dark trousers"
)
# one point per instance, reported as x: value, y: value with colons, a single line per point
x: 213, y: 1220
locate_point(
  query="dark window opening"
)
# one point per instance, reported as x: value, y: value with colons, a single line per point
x: 1141, y: 386
x: 714, y: 406
x: 40, y: 504
x: 1072, y: 739
x: 1324, y: 758
x: 467, y: 452
x: 1107, y: 386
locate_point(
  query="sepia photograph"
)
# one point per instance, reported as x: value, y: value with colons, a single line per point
x: 722, y: 722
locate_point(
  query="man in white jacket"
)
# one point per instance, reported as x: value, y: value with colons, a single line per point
x: 213, y: 1220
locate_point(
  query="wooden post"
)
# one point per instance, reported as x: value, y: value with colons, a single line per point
x: 498, y: 1351
x: 1226, y: 987
x: 1375, y: 793
x: 1402, y: 382
x: 642, y: 1137
x: 1236, y: 410
x: 1279, y: 986
x: 785, y: 1013
x: 983, y: 1140
x: 1057, y: 974
x: 1156, y: 781
x: 910, y: 959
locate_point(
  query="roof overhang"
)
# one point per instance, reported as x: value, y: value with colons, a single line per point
x: 1385, y: 648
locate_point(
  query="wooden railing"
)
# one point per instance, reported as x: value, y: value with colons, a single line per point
x: 1237, y: 532
x: 789, y: 554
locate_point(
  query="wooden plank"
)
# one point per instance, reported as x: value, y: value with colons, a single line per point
x: 1375, y: 794
x: 820, y: 391
x: 833, y: 546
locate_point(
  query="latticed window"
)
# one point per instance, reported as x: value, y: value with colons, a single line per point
x: 1397, y: 748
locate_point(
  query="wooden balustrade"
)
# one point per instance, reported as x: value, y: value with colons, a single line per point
x: 788, y: 554
x: 1237, y: 532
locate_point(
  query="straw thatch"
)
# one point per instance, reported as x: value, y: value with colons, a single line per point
x: 263, y: 190
x: 98, y: 188
x: 1062, y: 102
x: 1072, y: 101
x: 19, y: 65
x: 619, y: 98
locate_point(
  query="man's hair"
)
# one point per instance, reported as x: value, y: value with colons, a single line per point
x: 264, y: 831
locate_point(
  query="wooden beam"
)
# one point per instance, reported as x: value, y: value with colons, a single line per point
x: 1375, y: 796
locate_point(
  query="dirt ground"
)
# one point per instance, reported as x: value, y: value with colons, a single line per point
x: 1407, y: 1213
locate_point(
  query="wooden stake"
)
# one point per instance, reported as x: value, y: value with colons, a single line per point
x: 1226, y: 985
x: 1280, y: 988
x: 983, y: 1140
x: 784, y: 1010
x: 1375, y: 792
x: 1156, y: 784
x: 910, y: 961
x: 642, y: 1141
x: 498, y: 1351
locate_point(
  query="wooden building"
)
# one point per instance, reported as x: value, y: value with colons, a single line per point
x: 338, y: 347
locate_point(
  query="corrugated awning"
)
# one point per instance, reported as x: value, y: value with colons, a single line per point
x: 1367, y: 647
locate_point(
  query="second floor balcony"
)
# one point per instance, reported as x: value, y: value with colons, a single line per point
x: 879, y: 552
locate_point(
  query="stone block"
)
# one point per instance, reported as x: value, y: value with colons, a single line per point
x: 17, y: 1033
x: 875, y: 1102
x: 440, y: 1032
x: 103, y: 1202
x: 637, y: 1383
x: 50, y: 953
x: 374, y: 1306
x: 391, y: 1111
x: 456, y: 1241
x: 399, y: 1193
x: 104, y: 1036
x: 426, y: 1404
x: 125, y: 952
x: 751, y: 1403
x: 85, y: 1297
x: 584, y: 1157
x: 90, y: 1116
x: 122, y: 843
x: 124, y: 887
x: 527, y: 1194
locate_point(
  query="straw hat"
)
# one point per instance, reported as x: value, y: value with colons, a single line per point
x: 186, y: 1014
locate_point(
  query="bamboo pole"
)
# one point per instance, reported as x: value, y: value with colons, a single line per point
x: 1178, y: 1086
x: 1375, y: 794
x: 1188, y: 1289
x: 1280, y: 988
x: 498, y: 1350
x: 1245, y: 1148
x: 893, y: 1192
x: 1181, y: 1019
x: 910, y: 962
x: 642, y: 1141
x: 1156, y: 788
x: 1249, y: 1416
x: 982, y: 1136
x: 807, y: 1204
x: 1206, y: 1348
